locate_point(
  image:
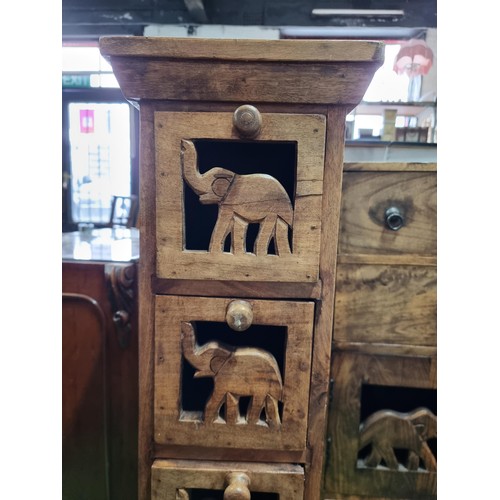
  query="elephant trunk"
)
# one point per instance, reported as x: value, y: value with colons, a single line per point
x: 189, y: 346
x: 208, y: 358
x: 189, y: 161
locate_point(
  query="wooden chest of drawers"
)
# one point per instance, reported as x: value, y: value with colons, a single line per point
x: 382, y: 418
x: 241, y: 176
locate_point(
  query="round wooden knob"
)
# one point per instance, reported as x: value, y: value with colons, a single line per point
x: 238, y: 483
x: 247, y: 120
x: 239, y: 315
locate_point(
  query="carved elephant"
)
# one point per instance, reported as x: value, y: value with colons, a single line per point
x: 242, y: 199
x: 386, y: 430
x: 237, y: 372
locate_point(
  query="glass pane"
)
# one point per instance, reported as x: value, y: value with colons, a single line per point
x: 387, y: 85
x: 99, y: 135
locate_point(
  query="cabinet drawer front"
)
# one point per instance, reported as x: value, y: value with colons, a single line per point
x: 382, y: 427
x: 221, y: 388
x: 371, y: 201
x: 386, y: 304
x: 193, y: 480
x: 235, y: 209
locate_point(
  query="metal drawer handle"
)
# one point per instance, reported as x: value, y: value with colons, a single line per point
x: 394, y: 219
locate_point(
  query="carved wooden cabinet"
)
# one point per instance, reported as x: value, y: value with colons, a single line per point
x: 241, y: 168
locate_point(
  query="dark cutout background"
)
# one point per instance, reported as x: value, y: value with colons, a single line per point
x: 198, y: 494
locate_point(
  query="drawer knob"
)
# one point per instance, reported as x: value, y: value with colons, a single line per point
x: 238, y: 483
x: 394, y: 219
x: 248, y: 121
x: 239, y: 315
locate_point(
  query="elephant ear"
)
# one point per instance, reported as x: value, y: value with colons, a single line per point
x: 221, y: 183
x: 217, y: 362
x: 421, y: 431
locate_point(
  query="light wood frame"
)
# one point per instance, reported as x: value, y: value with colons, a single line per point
x: 168, y: 476
x: 172, y: 429
x: 174, y: 261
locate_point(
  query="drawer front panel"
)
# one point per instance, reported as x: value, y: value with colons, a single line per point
x: 386, y: 304
x: 260, y: 201
x: 373, y: 201
x: 382, y: 427
x: 193, y: 480
x: 221, y: 388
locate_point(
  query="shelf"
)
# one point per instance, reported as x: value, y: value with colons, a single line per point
x: 403, y: 108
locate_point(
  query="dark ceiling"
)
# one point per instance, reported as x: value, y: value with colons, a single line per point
x: 129, y: 17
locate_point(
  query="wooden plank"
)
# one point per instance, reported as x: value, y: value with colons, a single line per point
x: 174, y: 345
x: 255, y: 289
x: 365, y: 198
x: 202, y: 453
x: 386, y: 304
x: 250, y: 82
x: 390, y: 167
x: 386, y: 349
x: 388, y: 260
x: 318, y: 400
x: 174, y: 261
x: 147, y: 227
x: 243, y: 50
x: 170, y: 476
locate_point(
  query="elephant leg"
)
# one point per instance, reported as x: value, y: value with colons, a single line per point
x: 374, y: 458
x: 213, y: 406
x: 389, y: 457
x: 281, y: 238
x: 255, y: 409
x: 272, y: 413
x: 428, y: 458
x: 413, y: 461
x: 232, y: 409
x: 222, y: 228
x: 239, y: 236
x: 266, y: 231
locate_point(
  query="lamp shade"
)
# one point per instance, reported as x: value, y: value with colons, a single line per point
x: 414, y: 58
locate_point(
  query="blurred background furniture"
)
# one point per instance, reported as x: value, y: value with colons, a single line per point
x: 100, y: 357
x: 124, y: 211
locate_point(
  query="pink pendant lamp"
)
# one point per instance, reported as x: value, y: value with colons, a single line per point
x: 414, y: 58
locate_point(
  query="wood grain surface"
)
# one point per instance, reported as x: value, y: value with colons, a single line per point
x: 375, y: 166
x: 293, y: 71
x: 173, y: 261
x: 176, y: 427
x: 366, y: 196
x: 386, y: 304
x: 287, y: 480
x: 243, y: 50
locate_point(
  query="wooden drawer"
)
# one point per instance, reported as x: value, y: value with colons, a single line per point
x: 366, y: 199
x: 386, y: 304
x: 259, y: 201
x: 218, y: 388
x: 382, y: 427
x: 195, y: 480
